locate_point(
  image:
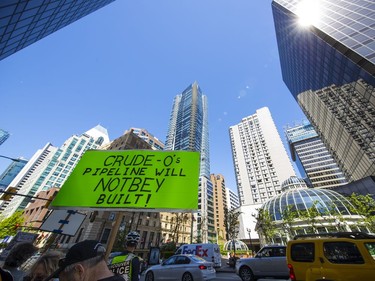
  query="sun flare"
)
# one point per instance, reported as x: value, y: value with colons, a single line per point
x: 308, y: 12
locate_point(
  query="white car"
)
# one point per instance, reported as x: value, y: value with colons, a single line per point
x: 182, y: 268
x: 270, y: 261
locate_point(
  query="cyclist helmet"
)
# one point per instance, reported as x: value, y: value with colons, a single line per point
x: 132, y: 238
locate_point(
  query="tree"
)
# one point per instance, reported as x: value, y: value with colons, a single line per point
x: 364, y: 205
x: 10, y: 225
x: 231, y: 223
x: 289, y: 215
x: 312, y: 215
x: 179, y: 221
x: 265, y: 225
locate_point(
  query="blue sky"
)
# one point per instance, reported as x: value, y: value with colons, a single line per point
x: 122, y: 66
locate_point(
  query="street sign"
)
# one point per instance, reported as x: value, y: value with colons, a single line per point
x: 66, y: 222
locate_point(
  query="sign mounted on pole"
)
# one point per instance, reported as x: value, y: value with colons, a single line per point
x: 132, y: 179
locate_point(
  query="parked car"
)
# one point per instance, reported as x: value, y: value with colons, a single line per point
x: 270, y: 261
x: 344, y: 256
x: 181, y: 267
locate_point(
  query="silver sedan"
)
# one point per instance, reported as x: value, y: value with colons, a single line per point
x: 182, y: 268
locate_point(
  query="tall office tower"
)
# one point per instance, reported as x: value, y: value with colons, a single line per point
x: 148, y: 137
x: 4, y: 135
x: 233, y: 201
x: 188, y: 130
x: 220, y: 204
x: 51, y: 166
x: 11, y: 172
x: 313, y: 158
x: 260, y: 159
x: 25, y: 22
x: 327, y: 56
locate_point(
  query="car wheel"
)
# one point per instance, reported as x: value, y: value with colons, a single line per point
x: 149, y: 276
x: 187, y: 277
x: 246, y: 274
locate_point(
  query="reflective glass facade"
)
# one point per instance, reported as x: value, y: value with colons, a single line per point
x: 23, y: 22
x: 4, y: 135
x: 188, y: 130
x: 188, y: 125
x: 329, y: 67
x: 313, y: 158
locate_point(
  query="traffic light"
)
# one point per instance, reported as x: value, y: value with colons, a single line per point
x: 7, y: 194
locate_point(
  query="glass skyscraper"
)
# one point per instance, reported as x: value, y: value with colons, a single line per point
x: 188, y: 125
x: 313, y: 158
x: 23, y: 22
x: 188, y: 130
x: 4, y: 135
x: 327, y: 56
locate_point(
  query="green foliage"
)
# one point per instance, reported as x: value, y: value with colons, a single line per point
x: 120, y: 241
x: 311, y: 215
x: 289, y: 215
x: 266, y: 225
x: 170, y: 246
x: 231, y: 223
x: 364, y: 205
x: 10, y: 225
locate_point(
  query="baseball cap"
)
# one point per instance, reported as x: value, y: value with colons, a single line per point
x: 79, y: 252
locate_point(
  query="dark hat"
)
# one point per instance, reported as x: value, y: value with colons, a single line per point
x: 5, y: 275
x: 77, y: 253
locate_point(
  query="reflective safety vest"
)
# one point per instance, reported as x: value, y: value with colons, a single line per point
x: 122, y: 265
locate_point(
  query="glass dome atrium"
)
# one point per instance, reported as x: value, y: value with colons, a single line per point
x: 312, y: 210
x: 300, y: 198
x: 228, y: 246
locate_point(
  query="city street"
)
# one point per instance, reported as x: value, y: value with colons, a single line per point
x: 227, y: 276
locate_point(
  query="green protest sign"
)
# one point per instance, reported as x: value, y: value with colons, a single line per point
x: 132, y: 179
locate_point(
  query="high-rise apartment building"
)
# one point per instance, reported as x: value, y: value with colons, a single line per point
x: 328, y: 64
x: 51, y: 166
x: 25, y: 22
x: 220, y: 203
x: 4, y: 135
x: 232, y: 199
x: 188, y: 130
x: 260, y: 160
x: 313, y: 159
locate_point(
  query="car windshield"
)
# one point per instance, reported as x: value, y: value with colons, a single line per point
x: 370, y: 246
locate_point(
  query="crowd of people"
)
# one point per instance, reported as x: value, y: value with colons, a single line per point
x: 84, y: 261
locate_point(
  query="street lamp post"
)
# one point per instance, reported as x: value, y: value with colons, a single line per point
x: 10, y: 158
x: 251, y: 244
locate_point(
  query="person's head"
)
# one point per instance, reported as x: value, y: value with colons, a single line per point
x: 19, y: 254
x: 44, y: 266
x: 84, y: 261
x: 132, y: 240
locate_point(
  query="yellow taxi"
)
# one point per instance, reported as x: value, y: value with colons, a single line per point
x: 342, y: 256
